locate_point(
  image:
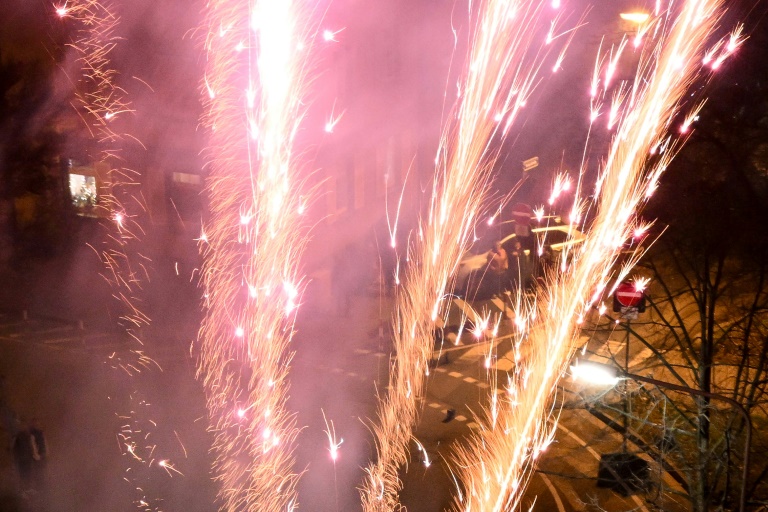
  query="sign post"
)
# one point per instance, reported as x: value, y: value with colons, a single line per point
x: 522, y: 213
x: 629, y: 301
x: 531, y: 163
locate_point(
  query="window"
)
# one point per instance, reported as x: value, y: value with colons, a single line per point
x: 83, y: 191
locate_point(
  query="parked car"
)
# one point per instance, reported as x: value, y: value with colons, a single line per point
x: 472, y: 280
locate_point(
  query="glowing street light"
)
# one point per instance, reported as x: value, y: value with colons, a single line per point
x: 595, y: 373
x: 635, y: 17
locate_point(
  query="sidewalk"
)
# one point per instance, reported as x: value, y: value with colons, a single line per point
x: 82, y: 404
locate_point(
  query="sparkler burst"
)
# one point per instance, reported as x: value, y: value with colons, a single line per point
x: 500, y: 77
x: 251, y: 245
x: 496, y: 464
x: 253, y: 240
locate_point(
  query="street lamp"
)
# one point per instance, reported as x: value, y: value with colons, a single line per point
x: 606, y: 375
x: 635, y: 17
x: 598, y: 374
x: 635, y: 23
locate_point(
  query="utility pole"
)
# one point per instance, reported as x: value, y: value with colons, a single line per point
x: 626, y: 388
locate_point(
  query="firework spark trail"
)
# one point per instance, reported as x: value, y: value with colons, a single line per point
x: 500, y: 77
x: 100, y: 103
x: 496, y: 464
x: 251, y: 245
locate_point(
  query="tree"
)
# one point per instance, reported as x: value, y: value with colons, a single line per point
x: 707, y: 322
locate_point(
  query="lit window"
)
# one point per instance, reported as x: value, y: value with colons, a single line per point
x: 83, y: 190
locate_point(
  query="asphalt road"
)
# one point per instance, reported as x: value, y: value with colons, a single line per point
x: 566, y: 477
x: 76, y: 381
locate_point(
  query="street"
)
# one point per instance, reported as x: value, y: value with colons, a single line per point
x: 77, y: 382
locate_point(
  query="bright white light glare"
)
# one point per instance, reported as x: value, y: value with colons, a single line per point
x: 635, y: 17
x: 641, y: 283
x: 330, y: 35
x: 594, y: 373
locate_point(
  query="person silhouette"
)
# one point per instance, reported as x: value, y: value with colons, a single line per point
x: 39, y: 454
x: 23, y: 451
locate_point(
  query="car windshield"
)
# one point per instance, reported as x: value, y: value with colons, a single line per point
x: 504, y: 232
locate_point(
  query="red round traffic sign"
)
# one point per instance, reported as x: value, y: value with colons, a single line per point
x: 628, y: 296
x: 522, y: 213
